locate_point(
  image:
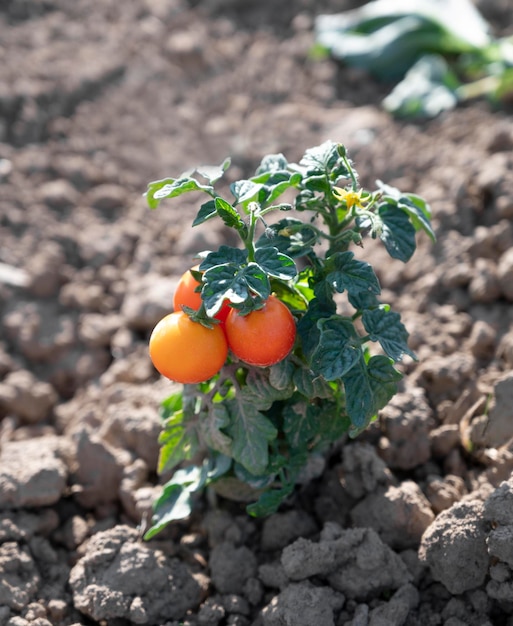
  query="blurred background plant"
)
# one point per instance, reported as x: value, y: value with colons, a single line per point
x: 442, y: 52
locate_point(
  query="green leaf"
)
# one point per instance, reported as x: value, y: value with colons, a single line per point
x: 382, y: 373
x: 323, y: 292
x: 307, y: 326
x: 419, y: 213
x: 256, y: 280
x: 318, y: 183
x: 363, y: 300
x: 359, y: 394
x: 275, y: 188
x: 268, y: 179
x: 275, y: 263
x: 300, y: 422
x: 307, y: 200
x: 223, y: 282
x: 175, y: 501
x: 213, y: 173
x: 386, y: 327
x: 321, y: 161
x: 245, y: 190
x: 338, y: 348
x: 271, y: 164
x: 387, y: 52
x: 369, y: 223
x: 280, y: 374
x: 246, y: 287
x: 348, y: 273
x: 332, y: 425
x: 218, y: 465
x: 260, y: 392
x: 428, y: 88
x: 252, y: 303
x: 292, y: 295
x: 267, y: 185
x: 503, y: 83
x: 229, y: 215
x: 397, y: 234
x: 251, y: 433
x: 387, y: 36
x: 311, y: 385
x: 317, y: 160
x: 256, y: 482
x: 290, y: 236
x: 415, y: 206
x: 224, y: 255
x: 269, y: 502
x: 171, y: 187
x: 296, y: 462
x: 369, y: 387
x: 178, y: 441
x: 173, y: 504
x: 171, y: 404
x: 206, y: 212
x: 210, y: 426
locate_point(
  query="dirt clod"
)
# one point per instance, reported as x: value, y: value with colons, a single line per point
x: 119, y: 577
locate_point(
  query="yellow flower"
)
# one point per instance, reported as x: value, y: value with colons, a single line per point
x: 351, y: 198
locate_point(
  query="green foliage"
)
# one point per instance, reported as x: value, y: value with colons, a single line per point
x: 440, y: 51
x: 175, y: 501
x: 260, y: 426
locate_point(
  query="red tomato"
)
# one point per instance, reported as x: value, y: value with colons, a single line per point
x: 262, y: 337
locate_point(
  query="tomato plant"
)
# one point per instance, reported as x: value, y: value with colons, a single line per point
x: 186, y: 351
x: 313, y: 349
x: 263, y: 337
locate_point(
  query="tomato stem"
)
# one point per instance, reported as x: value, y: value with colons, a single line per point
x: 254, y: 214
x: 354, y: 181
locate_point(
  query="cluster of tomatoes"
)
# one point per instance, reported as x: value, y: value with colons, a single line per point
x: 188, y: 352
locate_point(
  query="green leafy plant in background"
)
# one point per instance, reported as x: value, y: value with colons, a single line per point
x: 440, y: 51
x: 252, y: 432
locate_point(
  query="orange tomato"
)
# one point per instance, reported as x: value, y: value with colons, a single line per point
x: 185, y: 351
x: 186, y: 295
x: 262, y: 337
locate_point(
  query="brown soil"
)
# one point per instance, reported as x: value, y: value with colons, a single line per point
x: 410, y: 524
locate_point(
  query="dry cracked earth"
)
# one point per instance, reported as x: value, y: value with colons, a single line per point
x: 412, y: 523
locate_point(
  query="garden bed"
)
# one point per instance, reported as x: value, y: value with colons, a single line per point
x: 410, y: 523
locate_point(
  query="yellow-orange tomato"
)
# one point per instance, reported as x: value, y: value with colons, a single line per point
x: 186, y: 295
x: 185, y: 351
x: 262, y: 337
